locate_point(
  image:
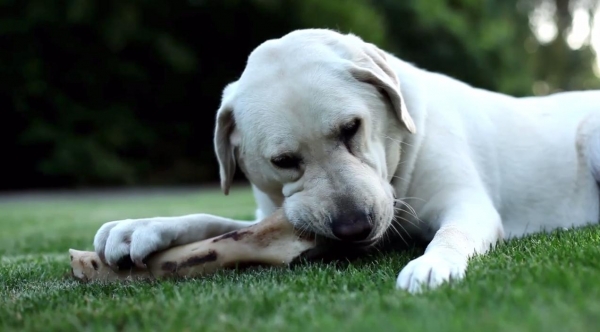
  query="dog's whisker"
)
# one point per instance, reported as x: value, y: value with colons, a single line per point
x: 412, y: 197
x: 409, y: 212
x: 400, y: 178
x: 398, y: 141
x: 393, y: 227
x: 404, y: 229
x: 405, y: 211
x: 408, y: 221
x: 398, y: 223
x: 399, y: 212
x: 399, y: 216
x: 394, y: 231
x: 328, y: 217
x: 413, y: 212
x: 303, y: 230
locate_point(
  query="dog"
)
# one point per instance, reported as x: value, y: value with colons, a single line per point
x: 354, y: 143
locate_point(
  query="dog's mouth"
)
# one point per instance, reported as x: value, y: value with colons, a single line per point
x: 329, y: 249
x: 366, y: 243
x: 329, y: 242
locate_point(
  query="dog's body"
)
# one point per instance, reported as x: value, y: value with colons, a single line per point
x: 332, y: 129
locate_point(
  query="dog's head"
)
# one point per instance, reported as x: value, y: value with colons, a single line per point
x: 316, y: 120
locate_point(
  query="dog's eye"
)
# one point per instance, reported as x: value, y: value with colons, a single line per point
x: 286, y: 161
x: 349, y: 130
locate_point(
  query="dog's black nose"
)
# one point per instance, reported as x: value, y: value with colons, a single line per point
x: 352, y: 226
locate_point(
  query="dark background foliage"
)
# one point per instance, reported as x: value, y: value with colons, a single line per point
x: 118, y: 92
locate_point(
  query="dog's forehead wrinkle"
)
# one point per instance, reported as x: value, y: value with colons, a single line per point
x: 306, y: 99
x: 293, y: 114
x: 284, y: 80
x: 267, y: 62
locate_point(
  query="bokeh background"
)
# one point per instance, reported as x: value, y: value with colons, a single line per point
x: 118, y: 93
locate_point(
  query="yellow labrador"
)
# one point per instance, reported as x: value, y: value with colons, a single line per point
x: 332, y: 129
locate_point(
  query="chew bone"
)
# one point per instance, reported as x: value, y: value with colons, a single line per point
x: 273, y: 241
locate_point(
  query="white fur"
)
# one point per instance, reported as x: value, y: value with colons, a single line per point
x: 474, y: 166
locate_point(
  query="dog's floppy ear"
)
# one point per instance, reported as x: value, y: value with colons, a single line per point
x: 226, y: 138
x: 372, y: 67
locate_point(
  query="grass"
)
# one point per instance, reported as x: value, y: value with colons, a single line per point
x: 541, y: 283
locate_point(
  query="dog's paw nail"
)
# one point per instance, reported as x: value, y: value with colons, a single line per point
x: 141, y: 264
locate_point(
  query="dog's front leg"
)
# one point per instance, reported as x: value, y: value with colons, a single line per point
x: 122, y: 242
x: 463, y: 229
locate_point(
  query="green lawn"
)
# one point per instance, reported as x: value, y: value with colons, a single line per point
x: 542, y: 283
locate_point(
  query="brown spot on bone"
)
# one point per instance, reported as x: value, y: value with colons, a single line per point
x: 71, y: 258
x: 94, y: 264
x: 192, y: 261
x: 267, y: 235
x: 169, y: 267
x: 197, y: 260
x: 235, y: 235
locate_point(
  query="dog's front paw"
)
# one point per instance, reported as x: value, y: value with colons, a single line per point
x: 431, y: 270
x: 125, y: 242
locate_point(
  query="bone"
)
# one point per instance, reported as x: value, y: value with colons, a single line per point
x: 273, y: 241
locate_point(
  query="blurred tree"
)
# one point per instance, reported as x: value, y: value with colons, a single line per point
x: 125, y: 92
x: 559, y: 66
